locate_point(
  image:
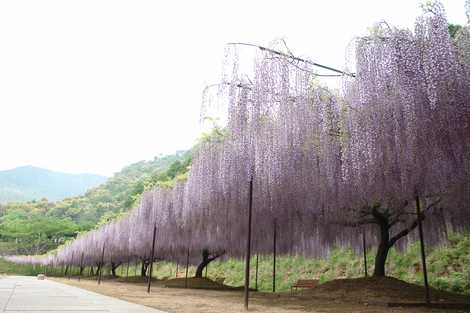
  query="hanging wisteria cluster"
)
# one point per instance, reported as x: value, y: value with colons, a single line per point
x: 399, y: 129
x: 467, y: 10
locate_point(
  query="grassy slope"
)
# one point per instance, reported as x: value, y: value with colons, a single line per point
x: 449, y: 267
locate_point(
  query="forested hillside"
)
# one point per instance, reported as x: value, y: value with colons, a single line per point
x: 29, y: 183
x: 37, y: 226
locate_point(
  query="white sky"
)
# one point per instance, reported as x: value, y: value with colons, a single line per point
x: 92, y: 86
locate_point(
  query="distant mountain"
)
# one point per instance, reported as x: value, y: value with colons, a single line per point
x: 32, y: 183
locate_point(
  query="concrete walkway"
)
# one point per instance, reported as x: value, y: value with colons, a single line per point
x: 20, y: 294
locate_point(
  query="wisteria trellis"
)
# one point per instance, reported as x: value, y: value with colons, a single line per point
x: 401, y: 127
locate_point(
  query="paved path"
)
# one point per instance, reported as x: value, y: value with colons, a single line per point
x: 20, y: 294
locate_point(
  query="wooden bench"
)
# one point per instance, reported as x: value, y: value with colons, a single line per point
x: 304, y: 283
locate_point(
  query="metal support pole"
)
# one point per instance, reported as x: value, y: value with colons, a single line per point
x: 101, y: 266
x: 364, y: 250
x: 187, y: 268
x: 423, y: 253
x: 274, y: 253
x: 81, y: 267
x: 256, y: 273
x: 71, y: 266
x: 152, y: 257
x: 248, y: 245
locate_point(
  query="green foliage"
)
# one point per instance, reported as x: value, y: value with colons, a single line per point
x: 178, y: 170
x: 109, y: 216
x: 454, y: 29
x: 216, y: 134
x: 451, y: 264
x: 33, y: 232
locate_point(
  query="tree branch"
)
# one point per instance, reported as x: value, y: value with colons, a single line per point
x: 381, y: 217
x: 216, y: 255
x: 413, y: 225
x: 356, y: 223
x: 405, y: 232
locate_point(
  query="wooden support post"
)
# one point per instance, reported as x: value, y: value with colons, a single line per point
x: 176, y: 274
x: 187, y: 268
x: 101, y: 266
x: 423, y: 253
x: 81, y: 266
x: 248, y: 245
x: 364, y: 250
x: 256, y: 273
x: 274, y: 253
x: 152, y: 257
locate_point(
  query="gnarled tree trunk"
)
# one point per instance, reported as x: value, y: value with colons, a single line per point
x: 143, y: 269
x: 384, y: 246
x: 206, y: 259
x: 114, y: 266
x: 385, y: 221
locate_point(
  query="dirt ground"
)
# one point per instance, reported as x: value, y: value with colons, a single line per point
x: 340, y: 296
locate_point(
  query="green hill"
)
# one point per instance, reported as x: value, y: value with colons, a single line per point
x: 122, y: 191
x: 33, y: 183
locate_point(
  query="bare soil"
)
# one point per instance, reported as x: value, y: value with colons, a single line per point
x: 363, y: 295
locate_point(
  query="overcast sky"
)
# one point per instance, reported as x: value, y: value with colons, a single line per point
x: 92, y: 86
